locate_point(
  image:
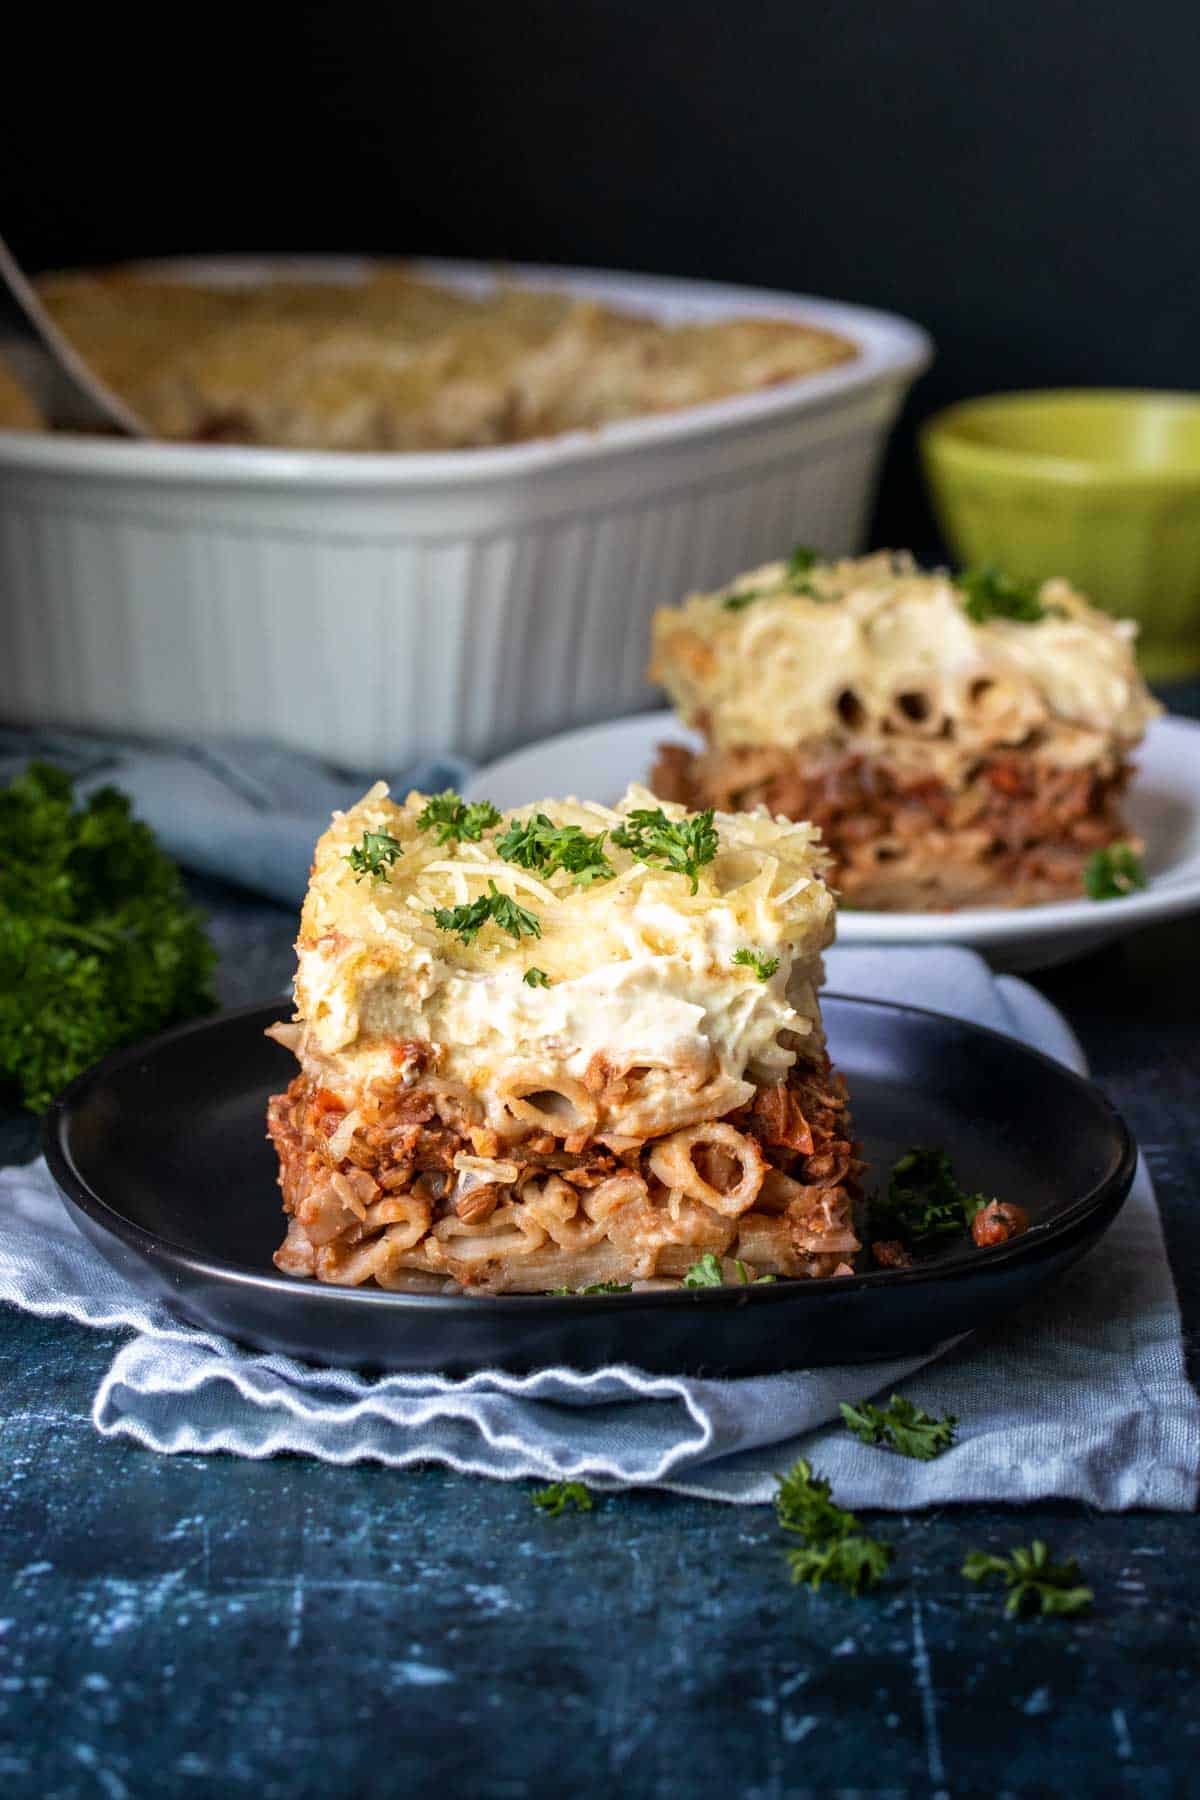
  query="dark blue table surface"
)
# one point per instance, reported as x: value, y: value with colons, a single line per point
x: 200, y: 1625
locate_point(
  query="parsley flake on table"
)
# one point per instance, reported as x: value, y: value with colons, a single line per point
x: 99, y: 944
x: 705, y: 1273
x: 374, y: 855
x: 453, y: 819
x: 764, y: 966
x: 535, y: 977
x: 1035, y: 1584
x: 988, y: 593
x: 1111, y: 873
x: 541, y: 845
x: 902, y: 1427
x: 834, y: 1546
x: 499, y: 909
x: 681, y: 845
x: 560, y: 1496
x: 924, y: 1203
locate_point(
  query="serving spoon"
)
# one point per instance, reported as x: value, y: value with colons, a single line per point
x: 84, y: 402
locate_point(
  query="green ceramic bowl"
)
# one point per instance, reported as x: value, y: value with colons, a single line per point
x: 1100, y: 486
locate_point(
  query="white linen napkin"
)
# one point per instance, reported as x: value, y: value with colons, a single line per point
x: 1082, y: 1394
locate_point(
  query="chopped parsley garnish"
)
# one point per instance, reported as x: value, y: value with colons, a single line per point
x: 499, y: 909
x: 991, y: 594
x: 901, y: 1426
x: 1034, y: 1583
x: 99, y: 943
x: 834, y: 1546
x: 705, y: 1273
x: 1111, y: 873
x: 598, y: 1287
x: 924, y: 1202
x: 540, y: 844
x: 801, y: 563
x: 451, y: 818
x: 764, y: 966
x: 534, y: 977
x: 375, y: 855
x: 682, y: 845
x: 746, y: 1278
x: 560, y: 1496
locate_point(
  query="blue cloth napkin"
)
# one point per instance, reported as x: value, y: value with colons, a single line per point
x: 1081, y: 1394
x: 247, y: 811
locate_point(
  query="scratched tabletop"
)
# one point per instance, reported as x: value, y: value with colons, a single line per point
x: 203, y: 1625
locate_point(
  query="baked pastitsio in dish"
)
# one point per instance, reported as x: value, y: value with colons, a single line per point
x: 959, y: 742
x: 563, y: 1047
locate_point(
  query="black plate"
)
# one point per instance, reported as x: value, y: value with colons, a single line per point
x: 161, y: 1152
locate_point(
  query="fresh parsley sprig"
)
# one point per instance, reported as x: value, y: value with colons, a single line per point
x: 1034, y: 1583
x: 988, y: 593
x: 535, y: 977
x: 541, y: 845
x: 800, y: 564
x: 682, y: 845
x: 598, y: 1287
x: 749, y: 1280
x: 924, y: 1203
x: 493, y: 907
x: 374, y: 855
x: 764, y: 966
x: 453, y: 819
x: 1111, y: 873
x: 902, y: 1427
x: 834, y: 1546
x: 705, y: 1273
x: 560, y: 1496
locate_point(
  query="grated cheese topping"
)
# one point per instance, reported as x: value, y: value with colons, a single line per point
x: 640, y: 969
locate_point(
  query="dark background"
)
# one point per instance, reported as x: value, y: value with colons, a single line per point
x: 1022, y: 178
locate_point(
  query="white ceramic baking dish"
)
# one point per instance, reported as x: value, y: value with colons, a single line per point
x: 371, y: 607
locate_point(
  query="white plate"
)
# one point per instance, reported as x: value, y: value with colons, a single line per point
x: 1164, y: 809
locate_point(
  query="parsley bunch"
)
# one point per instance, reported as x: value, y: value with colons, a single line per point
x: 924, y: 1202
x: 1034, y: 1583
x: 451, y: 818
x: 834, y: 1546
x: 991, y: 594
x: 682, y: 845
x: 499, y: 909
x: 374, y: 855
x: 99, y: 945
x: 1111, y: 873
x: 540, y: 844
x: 902, y: 1427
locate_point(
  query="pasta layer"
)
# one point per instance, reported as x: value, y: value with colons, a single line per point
x: 1018, y: 832
x: 413, y: 1188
